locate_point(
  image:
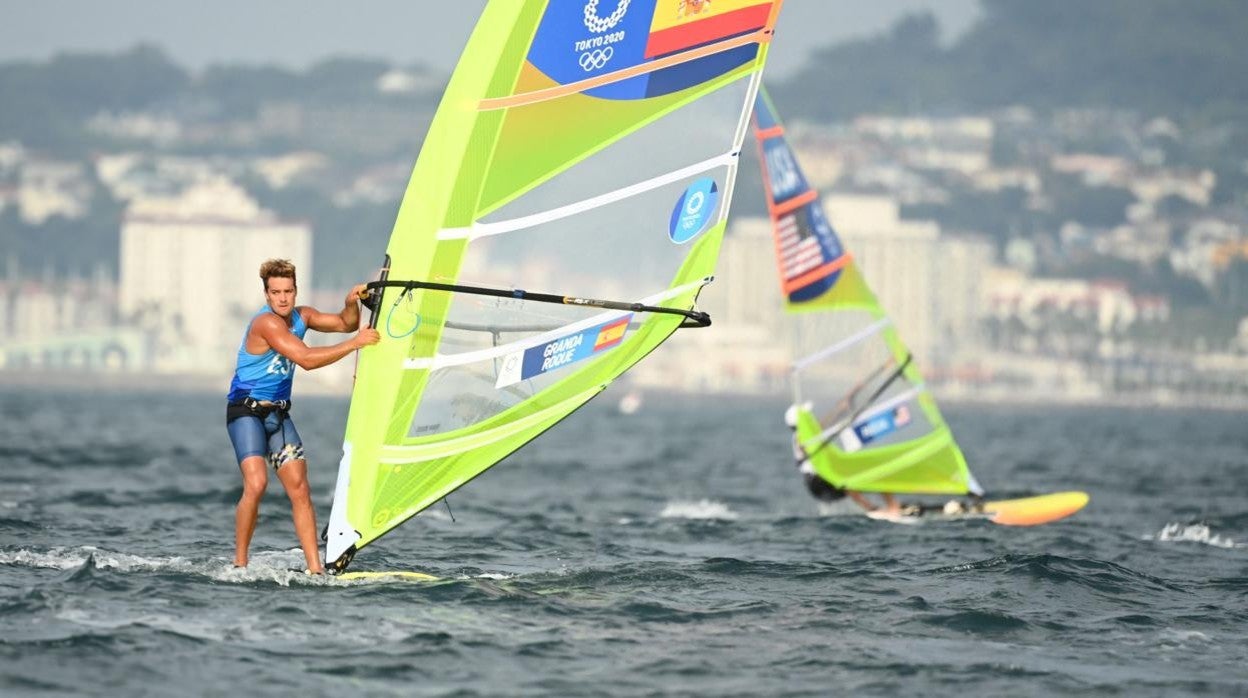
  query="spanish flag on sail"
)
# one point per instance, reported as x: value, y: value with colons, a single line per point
x: 612, y: 334
x: 680, y: 25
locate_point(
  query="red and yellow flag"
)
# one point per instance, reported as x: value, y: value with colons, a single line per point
x: 683, y: 24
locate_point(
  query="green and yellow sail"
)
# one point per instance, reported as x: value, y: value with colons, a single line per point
x: 864, y: 416
x: 586, y: 149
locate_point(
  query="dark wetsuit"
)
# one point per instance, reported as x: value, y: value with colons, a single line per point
x: 818, y: 487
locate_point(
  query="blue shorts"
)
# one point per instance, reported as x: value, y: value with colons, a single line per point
x: 273, y: 437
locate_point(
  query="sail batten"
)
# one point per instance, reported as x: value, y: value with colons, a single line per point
x: 840, y: 346
x: 479, y: 230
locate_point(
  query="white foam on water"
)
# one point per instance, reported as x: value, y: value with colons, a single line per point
x: 54, y: 559
x: 703, y: 509
x: 1185, y: 636
x: 281, y: 567
x: 1193, y: 533
x: 71, y: 558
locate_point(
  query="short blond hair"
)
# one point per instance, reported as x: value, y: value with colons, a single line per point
x: 280, y: 268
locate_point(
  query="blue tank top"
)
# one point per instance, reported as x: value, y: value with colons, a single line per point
x: 266, y: 376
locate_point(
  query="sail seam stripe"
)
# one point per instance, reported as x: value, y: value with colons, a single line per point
x: 794, y: 203
x: 479, y: 230
x: 842, y: 345
x: 445, y: 360
x: 817, y: 273
x: 761, y: 36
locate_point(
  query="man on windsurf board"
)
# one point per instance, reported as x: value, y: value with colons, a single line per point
x: 257, y: 413
x: 823, y: 490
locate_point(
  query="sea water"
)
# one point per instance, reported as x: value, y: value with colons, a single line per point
x: 669, y: 552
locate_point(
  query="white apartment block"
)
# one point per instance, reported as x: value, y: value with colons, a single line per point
x: 929, y: 284
x: 190, y: 270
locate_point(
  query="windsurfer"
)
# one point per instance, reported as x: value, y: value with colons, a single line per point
x: 823, y: 490
x: 257, y: 413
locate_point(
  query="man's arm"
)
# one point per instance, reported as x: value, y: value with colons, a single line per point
x: 274, y: 331
x: 861, y: 500
x: 346, y: 321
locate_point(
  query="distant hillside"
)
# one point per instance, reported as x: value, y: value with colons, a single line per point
x: 1175, y: 57
x: 47, y: 104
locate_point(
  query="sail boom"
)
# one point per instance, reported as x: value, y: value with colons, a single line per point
x: 463, y: 358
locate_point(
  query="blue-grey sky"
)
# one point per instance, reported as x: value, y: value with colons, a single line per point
x: 296, y: 33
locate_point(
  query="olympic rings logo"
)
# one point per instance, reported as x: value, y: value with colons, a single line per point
x: 598, y: 24
x: 593, y: 60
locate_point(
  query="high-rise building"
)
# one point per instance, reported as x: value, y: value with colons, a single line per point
x: 961, y: 275
x: 746, y: 290
x: 929, y: 284
x: 190, y: 270
x: 899, y: 260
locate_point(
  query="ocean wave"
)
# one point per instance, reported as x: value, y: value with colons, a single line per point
x: 976, y: 621
x: 703, y: 509
x: 162, y: 495
x: 1100, y: 575
x: 1175, y: 532
x: 32, y: 601
x: 7, y: 524
x: 1177, y: 636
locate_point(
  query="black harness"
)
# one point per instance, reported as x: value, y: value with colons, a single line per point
x: 251, y: 407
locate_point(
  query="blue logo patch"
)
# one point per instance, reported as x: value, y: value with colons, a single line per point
x: 566, y: 350
x: 882, y: 425
x: 694, y: 210
x: 582, y: 39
